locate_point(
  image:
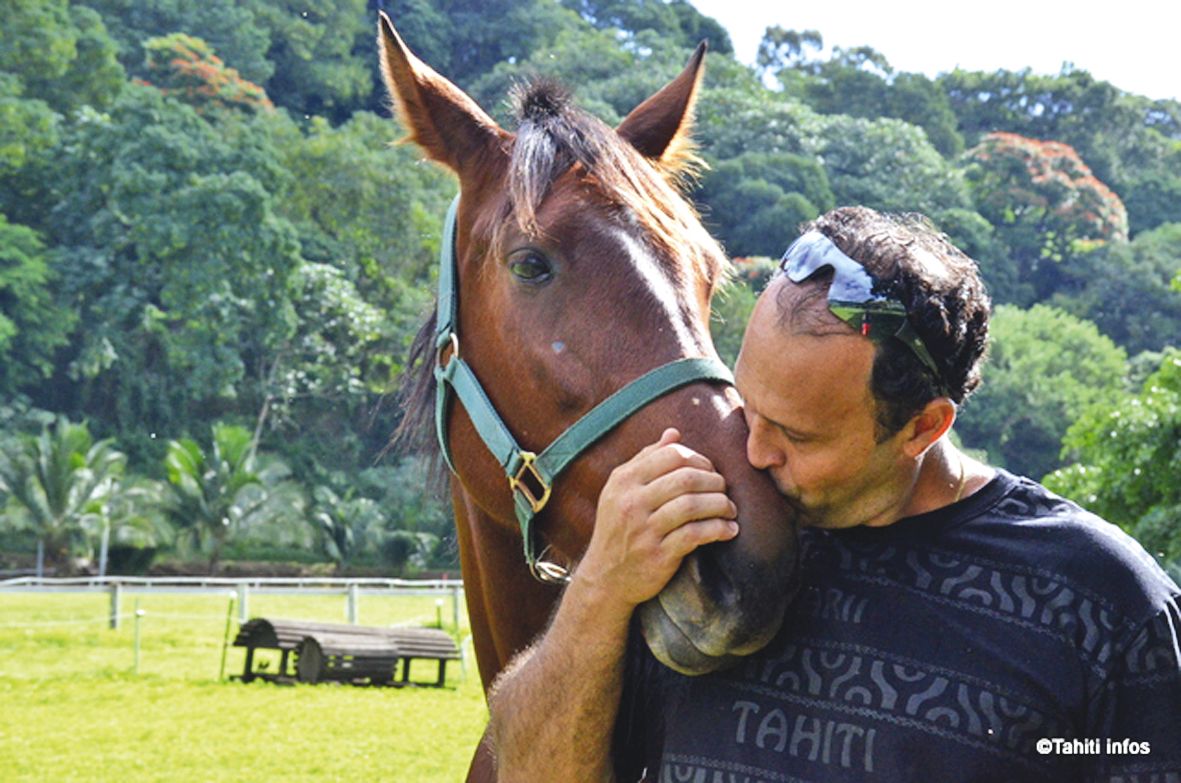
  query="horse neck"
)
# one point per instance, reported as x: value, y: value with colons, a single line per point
x: 507, y: 607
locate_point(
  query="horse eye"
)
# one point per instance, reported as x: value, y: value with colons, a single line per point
x: 530, y: 267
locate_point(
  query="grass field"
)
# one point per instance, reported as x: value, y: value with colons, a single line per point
x: 72, y: 708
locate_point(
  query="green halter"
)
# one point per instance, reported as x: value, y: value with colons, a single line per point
x: 530, y: 475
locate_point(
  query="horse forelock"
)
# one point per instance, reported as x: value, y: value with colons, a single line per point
x: 554, y: 136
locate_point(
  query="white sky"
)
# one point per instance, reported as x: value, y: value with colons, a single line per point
x: 1134, y: 44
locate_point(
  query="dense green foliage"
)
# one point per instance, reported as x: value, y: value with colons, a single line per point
x: 1127, y: 460
x: 211, y: 255
x: 1045, y: 369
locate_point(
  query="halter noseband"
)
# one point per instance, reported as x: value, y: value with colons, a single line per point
x: 531, y: 475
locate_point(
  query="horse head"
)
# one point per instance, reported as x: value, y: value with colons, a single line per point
x: 581, y: 267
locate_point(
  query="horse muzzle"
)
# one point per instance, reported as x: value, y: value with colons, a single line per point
x: 728, y: 599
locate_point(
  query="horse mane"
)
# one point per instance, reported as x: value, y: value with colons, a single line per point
x: 553, y: 137
x: 415, y: 398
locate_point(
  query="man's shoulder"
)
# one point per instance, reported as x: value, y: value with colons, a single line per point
x: 1031, y: 531
x: 1013, y: 537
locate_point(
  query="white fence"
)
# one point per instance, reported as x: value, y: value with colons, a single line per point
x: 351, y: 589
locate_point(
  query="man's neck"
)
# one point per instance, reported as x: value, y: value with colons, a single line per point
x: 945, y: 476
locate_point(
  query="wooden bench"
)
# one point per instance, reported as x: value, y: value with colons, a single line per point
x: 342, y: 653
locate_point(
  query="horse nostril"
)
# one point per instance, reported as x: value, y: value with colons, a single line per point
x: 711, y: 577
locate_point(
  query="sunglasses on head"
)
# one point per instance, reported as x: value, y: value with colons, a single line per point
x: 851, y: 296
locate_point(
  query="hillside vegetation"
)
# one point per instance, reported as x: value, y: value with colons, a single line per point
x: 212, y: 261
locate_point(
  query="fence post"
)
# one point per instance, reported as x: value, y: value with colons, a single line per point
x: 243, y: 603
x: 139, y: 613
x: 225, y: 639
x: 455, y: 605
x: 352, y: 603
x: 116, y: 588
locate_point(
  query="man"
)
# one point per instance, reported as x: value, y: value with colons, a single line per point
x: 956, y: 623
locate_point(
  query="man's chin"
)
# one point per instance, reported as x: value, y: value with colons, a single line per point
x: 804, y: 516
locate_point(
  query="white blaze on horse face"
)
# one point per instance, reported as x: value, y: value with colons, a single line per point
x: 675, y: 307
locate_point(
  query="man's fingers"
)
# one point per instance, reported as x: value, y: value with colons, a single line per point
x: 669, y: 436
x: 664, y: 458
x: 688, y: 537
x: 686, y: 509
x: 685, y: 480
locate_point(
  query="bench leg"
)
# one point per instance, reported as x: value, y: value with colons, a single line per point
x: 283, y: 663
x: 405, y: 670
x: 442, y: 672
x: 247, y: 670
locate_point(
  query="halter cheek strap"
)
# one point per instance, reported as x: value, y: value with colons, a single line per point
x: 531, y: 475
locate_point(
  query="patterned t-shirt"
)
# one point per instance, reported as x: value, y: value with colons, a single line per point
x: 958, y: 645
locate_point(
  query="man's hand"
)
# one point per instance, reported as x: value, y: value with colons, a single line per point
x: 554, y: 706
x: 655, y: 509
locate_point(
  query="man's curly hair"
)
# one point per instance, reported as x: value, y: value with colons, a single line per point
x: 945, y: 299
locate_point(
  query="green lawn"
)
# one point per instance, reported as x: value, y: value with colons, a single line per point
x: 72, y: 708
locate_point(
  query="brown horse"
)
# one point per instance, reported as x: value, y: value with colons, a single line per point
x: 581, y: 267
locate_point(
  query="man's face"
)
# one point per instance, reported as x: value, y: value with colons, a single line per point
x: 810, y: 413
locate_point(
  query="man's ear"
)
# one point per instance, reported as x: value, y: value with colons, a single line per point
x: 441, y: 118
x: 928, y: 426
x: 661, y: 127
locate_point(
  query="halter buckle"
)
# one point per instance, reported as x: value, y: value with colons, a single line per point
x: 516, y: 484
x: 450, y: 340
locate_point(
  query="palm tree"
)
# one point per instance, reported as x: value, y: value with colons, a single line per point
x: 59, y: 483
x: 347, y: 526
x: 215, y: 495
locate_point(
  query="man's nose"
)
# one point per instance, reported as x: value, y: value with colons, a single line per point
x: 761, y: 451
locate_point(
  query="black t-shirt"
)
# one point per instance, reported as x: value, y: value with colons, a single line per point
x: 957, y: 645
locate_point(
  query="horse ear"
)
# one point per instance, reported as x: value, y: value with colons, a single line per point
x: 660, y: 127
x: 441, y: 118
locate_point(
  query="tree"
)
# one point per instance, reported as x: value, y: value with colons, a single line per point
x: 32, y: 325
x: 27, y: 127
x: 486, y: 32
x: 232, y: 28
x: 369, y: 221
x: 373, y: 209
x: 58, y: 483
x: 858, y: 82
x: 1125, y: 289
x: 1045, y: 369
x: 1044, y: 202
x: 135, y: 522
x: 730, y: 312
x: 1126, y: 458
x: 171, y: 249
x: 754, y: 202
x: 1128, y: 141
x: 743, y: 118
x: 887, y: 164
x: 970, y: 232
x: 329, y: 358
x: 1091, y: 115
x: 676, y: 20
x: 218, y: 493
x: 186, y: 67
x: 320, y: 53
x: 62, y: 54
x: 783, y: 52
x: 347, y: 526
x: 883, y: 163
x: 1152, y: 193
x: 412, y: 496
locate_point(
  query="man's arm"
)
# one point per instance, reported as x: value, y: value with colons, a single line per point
x: 554, y: 707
